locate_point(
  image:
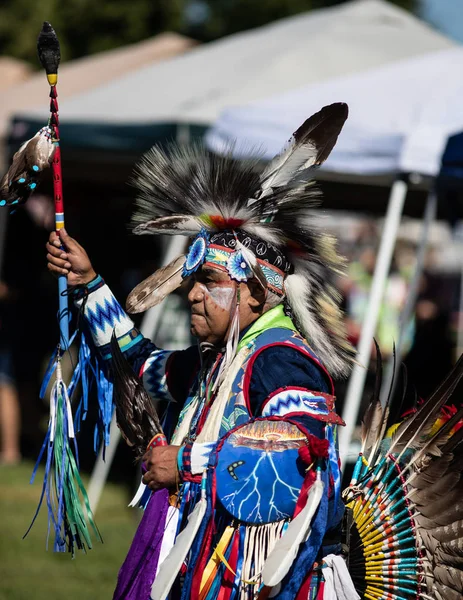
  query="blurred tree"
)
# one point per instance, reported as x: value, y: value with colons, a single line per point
x: 211, y: 19
x: 84, y: 26
x: 88, y: 26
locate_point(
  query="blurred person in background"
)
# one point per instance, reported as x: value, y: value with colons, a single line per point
x: 356, y: 288
x: 22, y: 321
x: 10, y: 414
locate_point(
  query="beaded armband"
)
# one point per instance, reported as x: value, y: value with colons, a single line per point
x: 104, y: 314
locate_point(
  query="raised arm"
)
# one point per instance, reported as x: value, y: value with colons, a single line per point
x: 103, y: 313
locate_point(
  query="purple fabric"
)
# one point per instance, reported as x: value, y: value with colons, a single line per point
x: 136, y: 575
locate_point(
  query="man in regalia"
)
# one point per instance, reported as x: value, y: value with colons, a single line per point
x: 252, y: 461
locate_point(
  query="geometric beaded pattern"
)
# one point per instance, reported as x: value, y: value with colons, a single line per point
x: 103, y: 313
x: 315, y: 404
x: 153, y: 374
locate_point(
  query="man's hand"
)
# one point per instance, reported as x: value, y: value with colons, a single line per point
x: 73, y: 261
x: 161, y: 463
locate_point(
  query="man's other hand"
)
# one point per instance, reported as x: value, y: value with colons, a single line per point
x: 71, y: 261
x: 161, y: 464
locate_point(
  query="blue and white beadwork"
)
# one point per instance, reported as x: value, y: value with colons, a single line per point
x: 104, y: 314
x: 238, y: 268
x: 153, y: 374
x: 196, y: 253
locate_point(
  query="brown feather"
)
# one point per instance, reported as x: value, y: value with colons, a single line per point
x: 444, y: 505
x: 433, y: 493
x: 432, y: 445
x: 445, y: 592
x: 156, y: 287
x: 454, y: 512
x: 448, y: 559
x: 455, y: 547
x: 424, y: 522
x: 452, y: 578
x: 449, y: 532
x: 454, y: 441
x: 135, y: 412
x: 430, y: 473
x: 371, y: 425
x: 420, y: 424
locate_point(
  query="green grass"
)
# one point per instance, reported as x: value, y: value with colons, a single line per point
x: 28, y: 571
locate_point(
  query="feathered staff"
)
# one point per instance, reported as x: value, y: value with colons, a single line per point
x: 49, y: 55
x: 62, y: 485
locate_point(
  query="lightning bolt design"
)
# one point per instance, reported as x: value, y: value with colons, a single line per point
x: 261, y: 510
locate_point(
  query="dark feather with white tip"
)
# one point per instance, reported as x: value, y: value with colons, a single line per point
x: 309, y: 146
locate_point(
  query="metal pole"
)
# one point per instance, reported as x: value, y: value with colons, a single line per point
x: 174, y: 247
x: 428, y: 219
x: 383, y: 263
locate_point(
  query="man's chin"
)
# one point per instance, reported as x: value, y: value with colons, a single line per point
x: 196, y: 332
x: 200, y: 334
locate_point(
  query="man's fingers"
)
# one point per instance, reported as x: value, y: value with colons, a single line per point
x: 55, y: 251
x: 54, y: 240
x: 58, y: 262
x: 148, y: 477
x: 154, y: 486
x: 57, y: 270
x: 69, y: 242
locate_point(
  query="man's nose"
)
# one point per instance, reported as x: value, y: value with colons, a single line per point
x: 196, y: 293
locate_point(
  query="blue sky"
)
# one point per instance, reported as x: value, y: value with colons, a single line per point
x: 445, y: 15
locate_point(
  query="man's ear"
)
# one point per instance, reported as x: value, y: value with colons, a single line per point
x: 257, y: 296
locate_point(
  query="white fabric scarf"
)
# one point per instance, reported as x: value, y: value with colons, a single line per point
x: 338, y: 582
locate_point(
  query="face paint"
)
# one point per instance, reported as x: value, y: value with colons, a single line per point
x: 222, y: 296
x: 213, y: 301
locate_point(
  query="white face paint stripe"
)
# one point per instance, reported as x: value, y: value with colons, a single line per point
x: 223, y: 296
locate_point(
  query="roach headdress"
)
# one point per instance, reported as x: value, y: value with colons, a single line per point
x: 252, y: 222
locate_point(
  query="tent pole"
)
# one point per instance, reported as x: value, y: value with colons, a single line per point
x: 412, y: 294
x: 383, y: 262
x: 174, y: 247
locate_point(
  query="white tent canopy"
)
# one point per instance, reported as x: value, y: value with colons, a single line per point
x: 400, y: 117
x: 306, y: 48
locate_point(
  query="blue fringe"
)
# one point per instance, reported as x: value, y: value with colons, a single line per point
x: 89, y: 371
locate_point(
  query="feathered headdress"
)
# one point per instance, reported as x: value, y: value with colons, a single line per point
x: 251, y: 224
